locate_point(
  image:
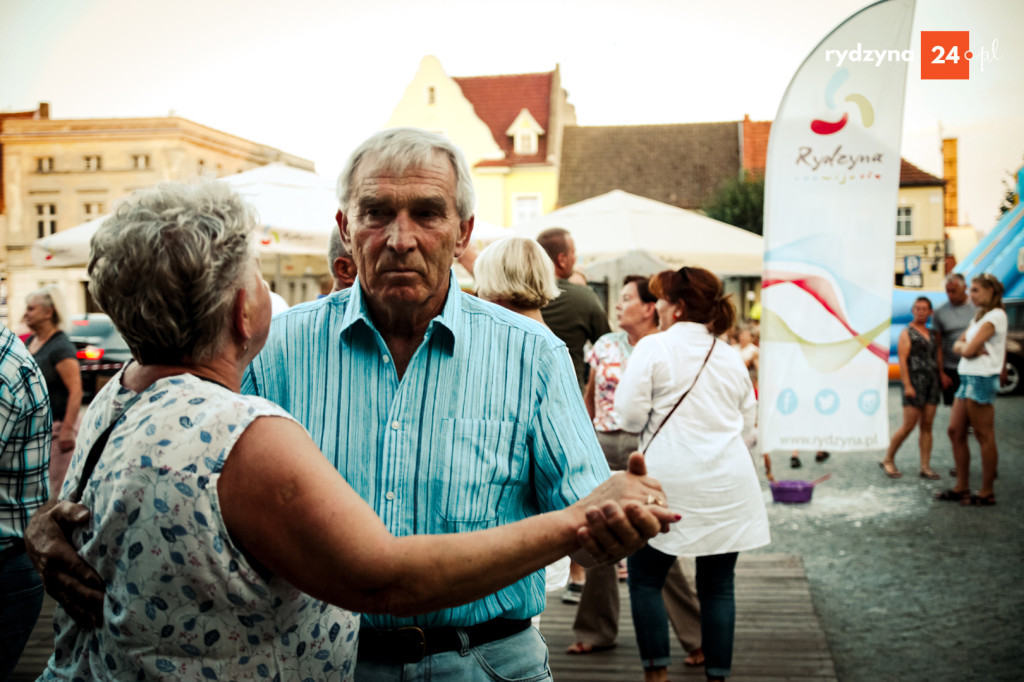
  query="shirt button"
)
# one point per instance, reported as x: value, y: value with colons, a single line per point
x: 390, y: 496
x: 386, y: 359
x: 395, y: 425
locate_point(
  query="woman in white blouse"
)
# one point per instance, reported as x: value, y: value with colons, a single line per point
x: 982, y: 349
x: 700, y: 458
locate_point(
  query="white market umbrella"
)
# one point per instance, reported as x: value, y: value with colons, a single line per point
x: 296, y: 211
x: 617, y: 223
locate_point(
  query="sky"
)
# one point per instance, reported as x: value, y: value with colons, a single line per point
x: 316, y: 77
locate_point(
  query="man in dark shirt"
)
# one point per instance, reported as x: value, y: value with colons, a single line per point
x: 577, y: 315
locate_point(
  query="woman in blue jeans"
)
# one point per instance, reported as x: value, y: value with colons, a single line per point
x: 691, y: 398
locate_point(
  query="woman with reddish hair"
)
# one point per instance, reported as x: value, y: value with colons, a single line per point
x: 691, y: 398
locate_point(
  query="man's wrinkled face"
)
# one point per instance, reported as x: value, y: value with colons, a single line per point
x: 404, y: 232
x: 956, y: 292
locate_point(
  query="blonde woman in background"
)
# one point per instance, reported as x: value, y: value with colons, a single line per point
x: 57, y: 357
x: 982, y: 350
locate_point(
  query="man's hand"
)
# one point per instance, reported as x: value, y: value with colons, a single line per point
x: 637, y: 511
x: 66, y: 577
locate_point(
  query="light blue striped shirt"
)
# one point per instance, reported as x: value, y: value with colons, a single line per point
x: 486, y: 427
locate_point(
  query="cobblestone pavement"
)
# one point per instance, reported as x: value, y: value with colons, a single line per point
x: 908, y: 587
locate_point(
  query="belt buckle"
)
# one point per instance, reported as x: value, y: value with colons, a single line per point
x: 415, y: 637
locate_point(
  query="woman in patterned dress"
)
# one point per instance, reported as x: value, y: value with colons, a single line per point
x: 922, y: 389
x: 222, y: 537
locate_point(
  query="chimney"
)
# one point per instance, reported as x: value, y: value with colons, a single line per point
x: 949, y: 175
x: 44, y: 111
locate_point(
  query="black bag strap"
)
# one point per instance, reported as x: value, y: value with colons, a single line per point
x: 101, y: 442
x: 679, y: 402
x: 97, y: 450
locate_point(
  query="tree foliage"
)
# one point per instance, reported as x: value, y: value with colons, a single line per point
x: 1010, y: 197
x: 740, y: 203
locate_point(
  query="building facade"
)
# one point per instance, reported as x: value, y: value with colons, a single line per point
x: 509, y: 127
x: 58, y: 174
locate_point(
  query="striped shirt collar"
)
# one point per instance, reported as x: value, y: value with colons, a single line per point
x: 449, y: 322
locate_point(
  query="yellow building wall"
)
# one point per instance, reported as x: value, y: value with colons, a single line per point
x: 445, y: 110
x: 928, y: 236
x: 178, y: 149
x: 522, y: 180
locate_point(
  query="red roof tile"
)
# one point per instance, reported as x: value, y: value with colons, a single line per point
x: 912, y: 176
x: 499, y: 99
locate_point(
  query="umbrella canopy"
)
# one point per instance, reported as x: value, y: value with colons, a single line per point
x: 614, y: 224
x: 296, y: 212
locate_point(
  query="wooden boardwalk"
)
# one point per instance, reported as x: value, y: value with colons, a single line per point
x: 778, y: 635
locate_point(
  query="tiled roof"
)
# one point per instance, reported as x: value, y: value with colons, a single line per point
x: 755, y: 145
x: 680, y: 164
x: 912, y: 176
x: 499, y: 99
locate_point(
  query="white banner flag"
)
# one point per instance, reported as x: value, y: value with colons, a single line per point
x: 831, y: 183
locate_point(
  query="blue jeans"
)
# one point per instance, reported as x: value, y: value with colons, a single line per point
x: 523, y: 657
x: 716, y: 593
x: 21, y: 600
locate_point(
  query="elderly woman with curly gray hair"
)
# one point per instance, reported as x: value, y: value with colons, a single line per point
x: 227, y: 545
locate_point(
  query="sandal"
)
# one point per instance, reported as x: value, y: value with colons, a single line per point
x: 929, y: 474
x: 893, y: 473
x: 953, y: 495
x: 580, y: 648
x: 794, y: 462
x: 979, y: 501
x: 695, y: 658
x: 820, y: 456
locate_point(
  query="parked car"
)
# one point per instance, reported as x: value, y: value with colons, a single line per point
x: 1014, y: 347
x: 101, y: 350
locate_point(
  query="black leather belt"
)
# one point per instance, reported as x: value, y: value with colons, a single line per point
x: 16, y: 549
x: 413, y: 644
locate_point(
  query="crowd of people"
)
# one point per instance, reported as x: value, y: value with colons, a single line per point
x: 383, y: 483
x: 961, y: 360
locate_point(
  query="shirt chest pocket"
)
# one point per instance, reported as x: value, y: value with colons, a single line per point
x: 483, y: 466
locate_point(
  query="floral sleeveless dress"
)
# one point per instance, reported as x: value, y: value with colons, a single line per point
x: 182, y: 601
x: 924, y: 370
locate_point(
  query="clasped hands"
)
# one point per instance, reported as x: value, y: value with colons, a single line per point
x: 623, y: 513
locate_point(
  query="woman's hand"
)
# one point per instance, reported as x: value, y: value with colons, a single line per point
x: 66, y: 438
x: 908, y: 390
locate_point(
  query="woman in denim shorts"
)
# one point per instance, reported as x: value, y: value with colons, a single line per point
x: 982, y: 349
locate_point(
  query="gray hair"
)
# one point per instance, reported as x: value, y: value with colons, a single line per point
x: 166, y: 267
x: 335, y: 248
x: 516, y: 271
x: 53, y: 299
x: 956, y: 277
x: 397, y: 150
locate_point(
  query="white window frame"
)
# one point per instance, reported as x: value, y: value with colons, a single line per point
x: 904, y: 223
x: 92, y: 209
x: 46, y: 220
x: 526, y: 143
x: 517, y: 216
x: 93, y: 163
x: 140, y: 161
x: 44, y: 164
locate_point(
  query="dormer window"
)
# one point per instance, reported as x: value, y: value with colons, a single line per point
x: 526, y: 142
x: 525, y: 133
